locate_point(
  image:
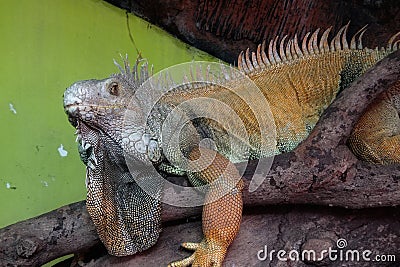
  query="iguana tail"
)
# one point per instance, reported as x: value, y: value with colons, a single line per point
x: 376, y: 136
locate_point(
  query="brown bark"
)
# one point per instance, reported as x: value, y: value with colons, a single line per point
x: 320, y: 171
x: 287, y: 228
x: 224, y: 28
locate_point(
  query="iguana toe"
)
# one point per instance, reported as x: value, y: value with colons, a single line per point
x: 190, y: 245
x: 208, y: 253
x: 183, y: 263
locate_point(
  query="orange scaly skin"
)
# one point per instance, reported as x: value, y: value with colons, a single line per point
x: 221, y: 218
x: 376, y: 136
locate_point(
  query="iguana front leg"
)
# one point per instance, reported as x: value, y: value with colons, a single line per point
x: 221, y: 214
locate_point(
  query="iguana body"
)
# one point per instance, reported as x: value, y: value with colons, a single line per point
x: 299, y: 82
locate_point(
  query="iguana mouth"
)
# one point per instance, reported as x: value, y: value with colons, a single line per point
x: 82, y: 127
x: 80, y: 130
x: 76, y: 111
x: 72, y: 110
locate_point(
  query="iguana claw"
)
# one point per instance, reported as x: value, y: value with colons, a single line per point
x: 207, y: 253
x: 183, y: 263
x: 93, y: 158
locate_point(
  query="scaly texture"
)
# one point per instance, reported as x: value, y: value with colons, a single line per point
x: 308, y: 78
x: 221, y: 218
x: 376, y: 136
x: 299, y: 84
x: 298, y: 80
x: 126, y: 217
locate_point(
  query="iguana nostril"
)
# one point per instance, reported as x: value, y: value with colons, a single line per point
x: 71, y: 96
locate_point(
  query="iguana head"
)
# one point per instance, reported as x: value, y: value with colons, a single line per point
x: 127, y: 219
x: 100, y: 104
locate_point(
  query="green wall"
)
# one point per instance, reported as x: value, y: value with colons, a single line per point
x: 46, y: 45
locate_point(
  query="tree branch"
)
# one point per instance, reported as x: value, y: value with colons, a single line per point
x: 284, y: 228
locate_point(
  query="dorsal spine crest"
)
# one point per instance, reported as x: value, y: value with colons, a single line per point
x: 291, y: 51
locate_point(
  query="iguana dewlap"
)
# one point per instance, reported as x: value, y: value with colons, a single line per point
x: 299, y: 81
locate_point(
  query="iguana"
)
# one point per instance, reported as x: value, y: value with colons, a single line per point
x: 298, y: 80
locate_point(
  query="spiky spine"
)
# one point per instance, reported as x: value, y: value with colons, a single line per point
x: 298, y: 80
x: 300, y: 83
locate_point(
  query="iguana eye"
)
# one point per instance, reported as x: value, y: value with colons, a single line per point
x: 113, y: 88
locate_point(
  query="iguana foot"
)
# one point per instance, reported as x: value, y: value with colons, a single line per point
x: 207, y: 253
